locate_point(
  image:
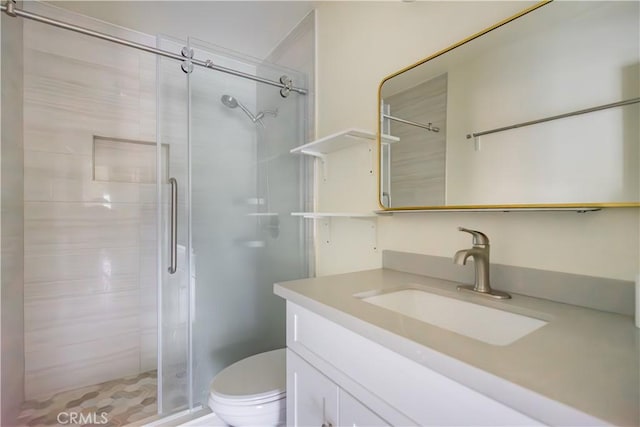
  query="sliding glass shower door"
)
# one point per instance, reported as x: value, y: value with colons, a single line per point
x: 237, y: 186
x: 244, y: 186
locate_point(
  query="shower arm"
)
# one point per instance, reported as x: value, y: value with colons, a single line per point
x: 261, y: 114
x: 273, y: 113
x: 248, y: 113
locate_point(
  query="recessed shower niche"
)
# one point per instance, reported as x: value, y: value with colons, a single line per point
x: 125, y: 160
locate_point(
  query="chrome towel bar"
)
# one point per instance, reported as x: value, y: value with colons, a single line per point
x: 559, y: 116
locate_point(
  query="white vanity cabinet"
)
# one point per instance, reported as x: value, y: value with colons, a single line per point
x: 315, y: 400
x: 355, y: 414
x: 312, y: 398
x: 338, y: 377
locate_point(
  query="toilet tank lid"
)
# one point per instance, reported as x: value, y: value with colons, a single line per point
x: 253, y: 377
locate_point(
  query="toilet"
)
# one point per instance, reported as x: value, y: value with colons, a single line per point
x: 252, y: 391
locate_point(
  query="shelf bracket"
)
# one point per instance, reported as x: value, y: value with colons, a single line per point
x: 323, y: 159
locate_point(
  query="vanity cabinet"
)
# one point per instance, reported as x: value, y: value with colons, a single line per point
x: 353, y: 413
x: 315, y: 400
x: 335, y: 376
x: 312, y: 398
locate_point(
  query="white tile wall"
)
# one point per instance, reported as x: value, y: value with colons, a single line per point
x: 90, y: 309
x: 298, y: 52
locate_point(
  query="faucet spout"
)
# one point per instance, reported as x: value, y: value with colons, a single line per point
x: 480, y: 254
x: 461, y: 256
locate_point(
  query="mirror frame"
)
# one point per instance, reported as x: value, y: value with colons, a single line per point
x: 580, y: 207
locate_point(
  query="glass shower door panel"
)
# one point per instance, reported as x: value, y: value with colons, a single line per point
x: 281, y: 183
x: 241, y: 225
x: 173, y: 355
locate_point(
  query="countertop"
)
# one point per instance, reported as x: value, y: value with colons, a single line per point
x: 586, y: 359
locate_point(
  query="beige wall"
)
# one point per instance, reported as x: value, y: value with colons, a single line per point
x: 359, y: 43
x: 11, y: 228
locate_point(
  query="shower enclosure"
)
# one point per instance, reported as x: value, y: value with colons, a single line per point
x: 157, y: 201
x: 234, y: 185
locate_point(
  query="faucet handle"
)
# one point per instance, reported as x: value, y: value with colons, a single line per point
x: 479, y: 238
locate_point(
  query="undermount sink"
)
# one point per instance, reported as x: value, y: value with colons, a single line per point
x: 476, y: 321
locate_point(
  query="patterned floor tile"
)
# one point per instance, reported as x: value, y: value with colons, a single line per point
x: 113, y: 403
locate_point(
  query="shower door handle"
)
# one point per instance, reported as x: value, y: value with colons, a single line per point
x: 173, y: 224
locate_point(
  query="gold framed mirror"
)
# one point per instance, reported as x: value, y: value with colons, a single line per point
x: 539, y: 111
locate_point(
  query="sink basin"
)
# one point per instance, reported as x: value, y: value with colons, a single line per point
x: 476, y: 321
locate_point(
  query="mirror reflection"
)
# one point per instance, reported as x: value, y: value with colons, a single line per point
x: 541, y: 111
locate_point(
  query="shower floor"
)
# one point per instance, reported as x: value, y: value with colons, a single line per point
x: 112, y: 403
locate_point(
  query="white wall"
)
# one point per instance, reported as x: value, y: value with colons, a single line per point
x: 11, y: 228
x: 250, y: 27
x: 297, y: 51
x: 359, y: 43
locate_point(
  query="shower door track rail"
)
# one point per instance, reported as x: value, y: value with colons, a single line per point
x: 285, y: 84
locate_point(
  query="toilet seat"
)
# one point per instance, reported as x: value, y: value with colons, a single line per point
x: 257, y: 377
x: 251, y: 391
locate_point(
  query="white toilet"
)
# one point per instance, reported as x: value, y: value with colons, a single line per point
x: 252, y: 391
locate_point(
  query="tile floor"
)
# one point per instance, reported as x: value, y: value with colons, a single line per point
x: 110, y: 404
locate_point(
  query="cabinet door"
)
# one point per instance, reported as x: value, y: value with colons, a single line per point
x: 312, y: 399
x: 355, y: 414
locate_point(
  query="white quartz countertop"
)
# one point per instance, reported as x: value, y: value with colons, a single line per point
x: 584, y: 359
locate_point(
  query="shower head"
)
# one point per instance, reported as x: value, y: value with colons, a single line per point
x: 229, y: 101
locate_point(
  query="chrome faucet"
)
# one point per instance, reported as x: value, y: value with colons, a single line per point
x: 480, y: 254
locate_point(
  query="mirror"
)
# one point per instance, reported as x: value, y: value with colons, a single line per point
x: 539, y: 111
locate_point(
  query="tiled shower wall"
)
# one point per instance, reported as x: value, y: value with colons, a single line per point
x: 11, y: 220
x: 90, y: 244
x: 417, y: 166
